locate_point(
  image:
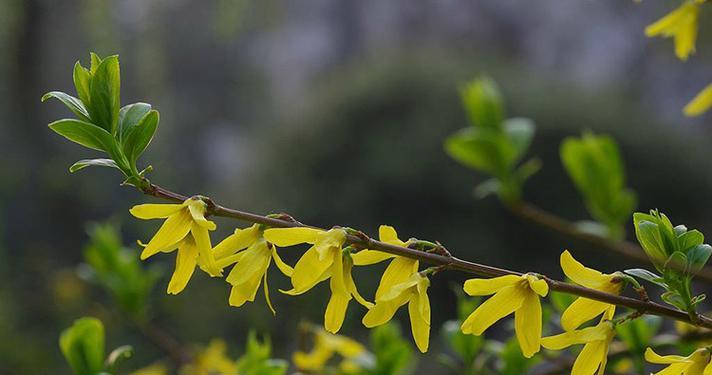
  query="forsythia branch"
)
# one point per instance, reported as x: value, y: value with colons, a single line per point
x: 445, y: 261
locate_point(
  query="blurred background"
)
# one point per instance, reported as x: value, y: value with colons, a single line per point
x: 332, y: 111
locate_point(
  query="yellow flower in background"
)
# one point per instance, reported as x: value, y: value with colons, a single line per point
x: 593, y: 357
x: 326, y: 346
x: 681, y: 24
x: 158, y: 368
x: 185, y: 229
x: 584, y: 309
x: 211, y: 361
x: 398, y: 271
x: 697, y: 363
x: 414, y: 292
x: 512, y: 294
x: 322, y: 261
x: 700, y: 104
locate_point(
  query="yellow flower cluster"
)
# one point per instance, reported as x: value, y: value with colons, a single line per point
x: 252, y: 250
x: 326, y: 347
x: 681, y: 25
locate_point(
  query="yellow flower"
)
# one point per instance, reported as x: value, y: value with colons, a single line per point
x: 326, y: 345
x: 512, y: 294
x: 700, y: 104
x: 697, y: 363
x: 185, y: 229
x: 324, y: 260
x: 594, y: 355
x: 414, y: 292
x: 212, y: 360
x: 681, y: 24
x: 252, y: 255
x: 584, y: 309
x: 157, y: 368
x: 398, y: 271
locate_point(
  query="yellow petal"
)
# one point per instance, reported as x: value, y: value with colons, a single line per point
x: 539, y: 286
x: 420, y: 320
x: 701, y: 103
x: 383, y: 310
x: 581, y: 311
x: 186, y: 261
x: 581, y: 336
x: 343, y: 345
x: 398, y: 271
x: 368, y: 257
x: 685, y: 39
x: 155, y: 211
x: 206, y: 258
x: 173, y: 230
x: 309, y: 270
x: 590, y: 358
x: 503, y: 303
x: 295, y: 292
x: 527, y: 325
x: 351, y: 286
x: 336, y: 311
x: 223, y: 262
x: 285, y: 268
x: 240, y: 240
x: 670, y: 23
x: 675, y: 369
x: 253, y: 264
x: 653, y: 357
x: 708, y: 369
x: 197, y: 210
x: 387, y: 233
x: 313, y: 361
x: 485, y: 287
x: 328, y: 242
x: 239, y: 294
x: 266, y: 291
x: 284, y: 237
x: 582, y: 275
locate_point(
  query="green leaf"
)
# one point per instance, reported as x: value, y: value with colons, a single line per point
x: 82, y: 77
x: 129, y: 116
x: 81, y: 164
x: 75, y: 105
x: 95, y: 62
x: 649, y: 238
x: 480, y: 149
x: 118, y: 356
x: 140, y: 136
x: 689, y: 239
x: 483, y: 103
x: 104, y: 91
x: 697, y: 257
x: 647, y: 276
x: 83, y: 346
x: 673, y: 298
x: 84, y: 133
x: 520, y: 132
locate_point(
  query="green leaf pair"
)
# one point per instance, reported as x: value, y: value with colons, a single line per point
x: 492, y: 144
x: 123, y: 133
x: 82, y: 345
x: 257, y: 361
x: 594, y: 164
x: 676, y: 252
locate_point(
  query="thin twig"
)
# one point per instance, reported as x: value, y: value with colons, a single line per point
x: 450, y: 262
x: 558, y: 224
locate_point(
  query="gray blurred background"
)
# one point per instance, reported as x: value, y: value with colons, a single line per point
x: 335, y: 112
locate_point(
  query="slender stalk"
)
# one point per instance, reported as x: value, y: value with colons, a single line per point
x: 558, y: 224
x: 447, y: 261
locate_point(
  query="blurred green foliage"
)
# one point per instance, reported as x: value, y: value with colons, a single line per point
x: 594, y: 164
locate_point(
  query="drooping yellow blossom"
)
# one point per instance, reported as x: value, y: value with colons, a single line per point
x: 700, y: 104
x: 253, y: 256
x: 324, y: 260
x: 584, y: 309
x: 593, y: 357
x: 212, y: 360
x: 414, y: 292
x: 681, y: 24
x: 326, y: 346
x: 512, y: 294
x: 185, y: 229
x: 697, y: 363
x: 398, y: 271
